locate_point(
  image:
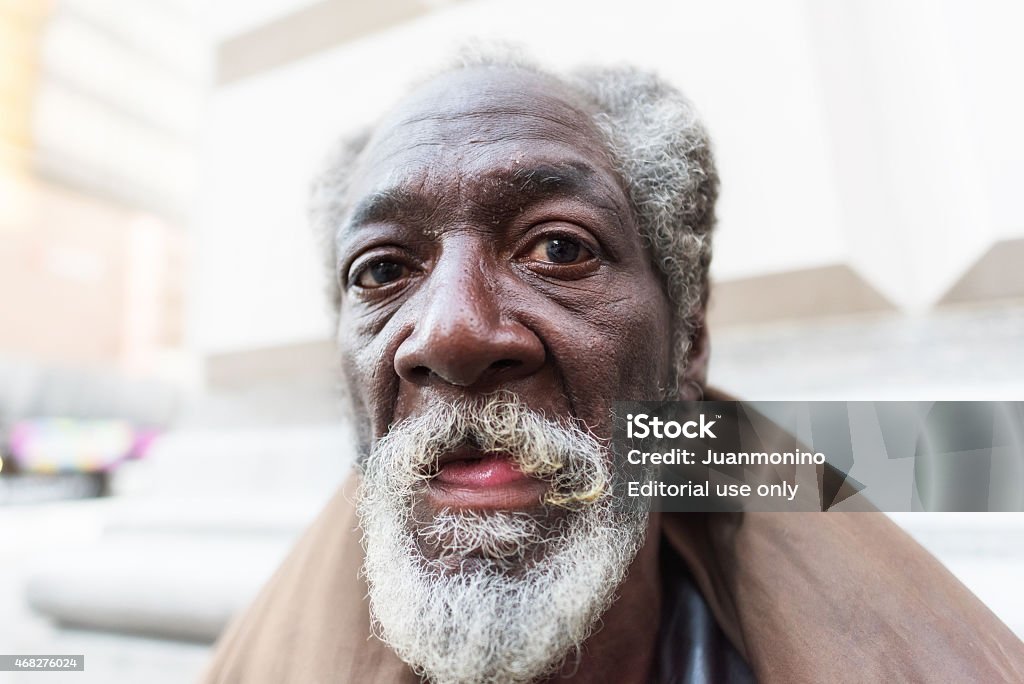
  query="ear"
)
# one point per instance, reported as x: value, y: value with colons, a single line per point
x: 694, y: 377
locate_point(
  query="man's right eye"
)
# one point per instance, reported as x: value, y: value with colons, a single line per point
x: 380, y: 273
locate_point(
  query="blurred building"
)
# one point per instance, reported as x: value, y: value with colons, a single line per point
x: 101, y: 105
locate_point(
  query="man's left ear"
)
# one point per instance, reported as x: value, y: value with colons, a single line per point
x: 695, y: 374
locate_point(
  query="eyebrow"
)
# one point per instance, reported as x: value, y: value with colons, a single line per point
x: 515, y: 190
x: 385, y: 205
x: 549, y: 179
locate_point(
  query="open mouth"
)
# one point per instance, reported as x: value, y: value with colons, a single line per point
x: 470, y: 478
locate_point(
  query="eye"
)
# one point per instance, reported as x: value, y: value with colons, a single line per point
x: 380, y: 273
x: 560, y: 250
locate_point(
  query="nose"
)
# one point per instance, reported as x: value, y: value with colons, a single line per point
x: 462, y: 336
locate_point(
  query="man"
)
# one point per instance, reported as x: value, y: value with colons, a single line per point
x: 513, y: 252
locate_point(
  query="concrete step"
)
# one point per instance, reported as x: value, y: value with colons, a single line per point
x: 169, y: 586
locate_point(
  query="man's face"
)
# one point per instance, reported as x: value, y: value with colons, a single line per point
x: 497, y: 300
x: 490, y: 245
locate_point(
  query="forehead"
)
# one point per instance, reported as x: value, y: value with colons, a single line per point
x: 482, y: 124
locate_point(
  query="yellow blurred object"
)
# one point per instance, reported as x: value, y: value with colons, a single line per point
x: 21, y: 23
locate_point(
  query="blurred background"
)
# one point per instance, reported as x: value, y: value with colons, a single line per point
x: 167, y: 413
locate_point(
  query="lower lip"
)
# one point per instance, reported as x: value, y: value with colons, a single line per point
x: 492, y: 482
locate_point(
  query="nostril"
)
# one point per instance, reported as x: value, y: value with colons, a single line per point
x: 502, y: 364
x: 420, y: 373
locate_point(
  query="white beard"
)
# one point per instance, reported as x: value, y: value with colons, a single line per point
x: 506, y: 596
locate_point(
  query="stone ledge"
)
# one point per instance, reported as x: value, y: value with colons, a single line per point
x: 171, y: 587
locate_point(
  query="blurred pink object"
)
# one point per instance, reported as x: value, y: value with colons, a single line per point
x: 52, y: 445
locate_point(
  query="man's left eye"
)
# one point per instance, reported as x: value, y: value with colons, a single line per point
x: 560, y: 250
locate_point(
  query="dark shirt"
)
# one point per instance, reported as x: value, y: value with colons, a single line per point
x: 692, y: 648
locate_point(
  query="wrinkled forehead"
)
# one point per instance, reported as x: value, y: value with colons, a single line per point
x: 475, y: 120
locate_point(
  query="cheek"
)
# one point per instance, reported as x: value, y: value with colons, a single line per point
x: 367, y: 368
x: 644, y: 350
x: 617, y: 349
x: 353, y: 384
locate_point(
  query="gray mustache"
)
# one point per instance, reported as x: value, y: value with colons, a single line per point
x: 568, y: 456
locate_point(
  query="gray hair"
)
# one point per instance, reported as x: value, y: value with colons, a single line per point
x: 658, y: 146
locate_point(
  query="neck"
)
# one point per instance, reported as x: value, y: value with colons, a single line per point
x: 625, y: 645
